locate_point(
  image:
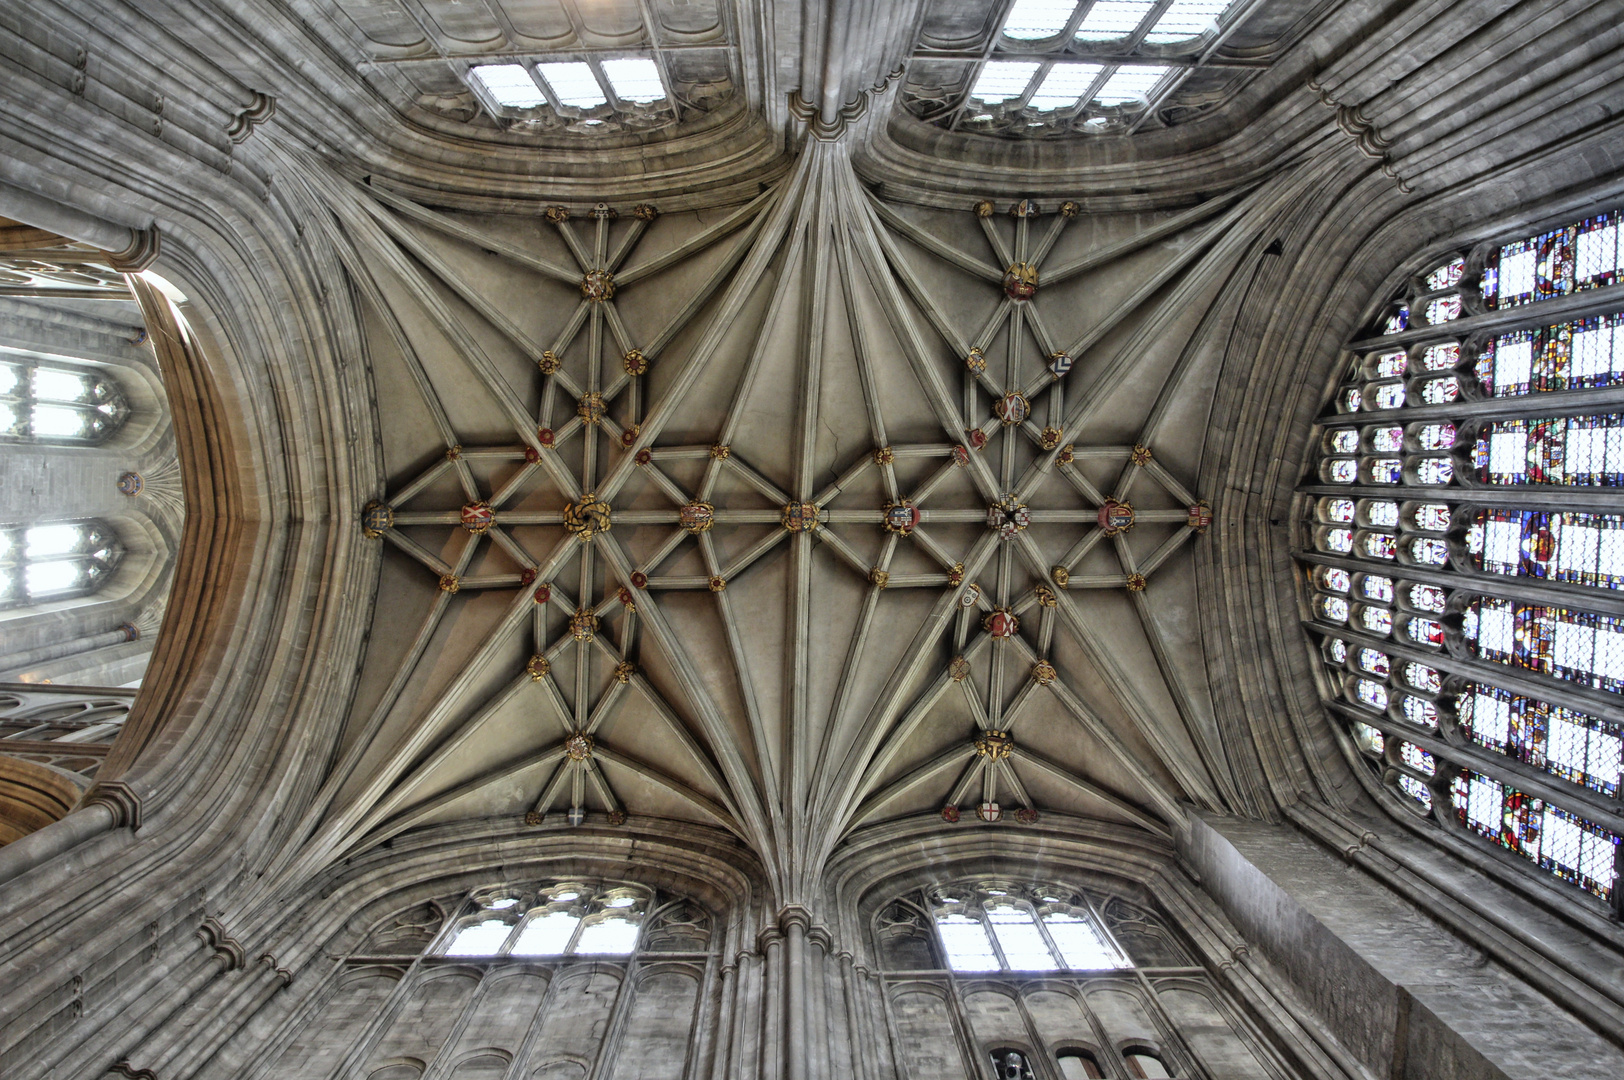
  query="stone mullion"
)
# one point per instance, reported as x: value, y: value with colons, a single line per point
x: 614, y: 1031
x: 519, y: 1067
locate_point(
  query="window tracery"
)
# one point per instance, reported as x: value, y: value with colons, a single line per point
x: 1066, y: 66
x: 55, y: 402
x: 55, y: 561
x: 1462, y: 551
x: 568, y: 918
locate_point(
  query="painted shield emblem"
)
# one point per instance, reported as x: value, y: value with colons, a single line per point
x: 1059, y: 364
x: 961, y: 456
x: 1013, y: 409
x: 697, y: 517
x: 1001, y: 623
x: 989, y: 812
x: 1021, y: 281
x: 478, y: 517
x: 971, y: 596
x: 1200, y: 517
x: 1008, y: 518
x: 901, y: 517
x: 800, y: 516
x: 1115, y: 517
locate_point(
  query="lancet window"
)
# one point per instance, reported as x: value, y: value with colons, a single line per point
x: 55, y: 402
x: 1463, y: 551
x: 995, y: 927
x: 56, y: 561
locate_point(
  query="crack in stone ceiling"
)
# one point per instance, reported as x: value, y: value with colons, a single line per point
x: 758, y: 410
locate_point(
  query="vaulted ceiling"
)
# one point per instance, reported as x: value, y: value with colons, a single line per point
x: 788, y: 517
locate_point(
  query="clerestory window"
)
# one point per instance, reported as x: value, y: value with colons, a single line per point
x: 1463, y: 548
x: 568, y: 918
x: 49, y: 401
x: 55, y: 561
x: 997, y: 927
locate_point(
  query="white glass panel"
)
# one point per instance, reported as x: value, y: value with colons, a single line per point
x: 634, y: 79
x: 1080, y: 943
x: 1508, y: 452
x: 9, y: 378
x: 57, y: 421
x: 1502, y: 543
x: 1033, y: 20
x: 1002, y: 81
x: 1186, y: 19
x: 1064, y: 85
x: 546, y: 935
x: 50, y: 577
x: 60, y: 385
x: 1109, y: 19
x: 1496, y: 628
x: 1130, y: 83
x: 1485, y: 801
x: 573, y: 83
x: 510, y: 85
x: 1018, y: 934
x: 1517, y: 273
x: 1565, y: 744
x: 965, y: 941
x: 1513, y: 364
x: 480, y: 939
x: 47, y: 540
x: 615, y: 935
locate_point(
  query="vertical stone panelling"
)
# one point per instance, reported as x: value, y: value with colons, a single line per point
x: 656, y: 1038
x: 484, y: 1066
x: 995, y: 1018
x: 427, y: 1016
x: 578, y: 1016
x: 507, y: 1004
x: 1123, y: 1016
x: 1060, y: 1019
x: 1209, y: 1035
x: 334, y: 1024
x: 927, y: 1047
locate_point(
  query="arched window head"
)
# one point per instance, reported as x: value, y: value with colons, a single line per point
x: 1078, y: 1064
x: 1001, y: 926
x: 56, y: 561
x: 46, y: 401
x: 1008, y: 1064
x: 1462, y: 569
x: 1145, y: 1064
x: 563, y: 918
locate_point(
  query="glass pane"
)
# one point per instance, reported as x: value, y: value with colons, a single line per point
x: 1079, y: 1067
x: 1020, y: 938
x: 1064, y: 86
x: 56, y: 576
x: 9, y: 379
x: 510, y: 85
x: 573, y: 83
x: 1034, y: 20
x: 965, y: 941
x: 58, y: 422
x: 1080, y: 944
x: 615, y: 935
x: 1002, y: 81
x: 1130, y: 83
x: 47, y: 540
x: 634, y: 79
x: 60, y: 385
x: 480, y: 939
x: 1186, y: 19
x: 1109, y: 19
x: 546, y: 935
x: 1147, y: 1065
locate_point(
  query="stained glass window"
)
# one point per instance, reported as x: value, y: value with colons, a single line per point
x: 41, y: 563
x: 1453, y: 476
x: 54, y: 402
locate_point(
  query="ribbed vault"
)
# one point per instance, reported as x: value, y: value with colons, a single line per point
x: 788, y: 517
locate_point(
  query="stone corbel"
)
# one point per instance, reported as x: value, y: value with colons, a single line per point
x: 1365, y: 135
x: 118, y: 797
x: 142, y: 252
x: 281, y: 972
x: 227, y: 949
x: 243, y: 122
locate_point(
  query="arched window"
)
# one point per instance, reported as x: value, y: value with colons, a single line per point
x: 1076, y: 1064
x: 1145, y: 1064
x: 1478, y: 652
x: 47, y: 401
x: 57, y: 561
x: 1010, y: 1064
x: 568, y: 918
x: 993, y: 926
